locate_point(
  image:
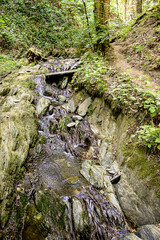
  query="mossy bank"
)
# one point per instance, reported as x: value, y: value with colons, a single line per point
x: 18, y: 131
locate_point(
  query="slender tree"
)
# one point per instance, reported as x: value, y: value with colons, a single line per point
x: 139, y: 6
x: 125, y: 10
x: 87, y: 20
x: 101, y: 14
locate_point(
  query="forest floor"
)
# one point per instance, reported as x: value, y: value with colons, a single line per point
x: 142, y: 78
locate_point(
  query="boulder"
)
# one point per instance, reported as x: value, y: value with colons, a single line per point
x: 42, y: 106
x: 61, y: 98
x: 85, y: 169
x: 71, y: 105
x: 148, y: 232
x: 33, y: 55
x: 74, y: 101
x: 77, y: 117
x: 70, y: 125
x: 64, y: 82
x: 131, y: 236
x: 83, y: 107
x: 110, y: 193
x: 134, y: 208
x: 48, y: 91
x: 79, y: 215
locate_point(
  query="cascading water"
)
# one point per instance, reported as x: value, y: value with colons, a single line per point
x: 70, y: 207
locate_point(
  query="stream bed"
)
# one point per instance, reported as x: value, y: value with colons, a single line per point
x: 54, y: 200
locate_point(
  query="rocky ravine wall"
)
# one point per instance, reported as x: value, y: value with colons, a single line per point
x: 138, y: 199
x: 18, y: 132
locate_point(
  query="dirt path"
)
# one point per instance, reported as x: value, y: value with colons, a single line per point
x: 141, y: 78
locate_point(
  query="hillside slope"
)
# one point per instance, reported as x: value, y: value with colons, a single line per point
x: 141, y: 46
x: 44, y: 24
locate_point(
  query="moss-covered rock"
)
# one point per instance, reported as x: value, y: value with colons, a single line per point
x: 33, y: 226
x: 18, y: 132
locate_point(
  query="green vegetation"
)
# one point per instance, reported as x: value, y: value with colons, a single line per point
x: 99, y: 78
x: 92, y: 72
x: 150, y: 136
x: 55, y: 27
x: 49, y: 204
x: 146, y: 165
x: 63, y: 123
x: 42, y: 140
x: 7, y: 63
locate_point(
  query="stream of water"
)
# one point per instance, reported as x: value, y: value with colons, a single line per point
x: 54, y: 166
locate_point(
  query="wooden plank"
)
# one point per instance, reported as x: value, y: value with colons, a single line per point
x: 59, y: 74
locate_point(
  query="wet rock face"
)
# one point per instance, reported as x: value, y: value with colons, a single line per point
x: 148, y: 232
x: 83, y: 107
x: 135, y: 208
x: 139, y: 203
x: 131, y: 236
x: 79, y: 216
x: 42, y: 106
x: 98, y: 177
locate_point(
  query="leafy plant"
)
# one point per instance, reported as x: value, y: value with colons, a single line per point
x: 42, y: 140
x: 63, y: 123
x: 149, y: 135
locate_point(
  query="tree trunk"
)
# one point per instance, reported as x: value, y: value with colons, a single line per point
x: 139, y: 6
x: 101, y: 14
x: 125, y: 10
x: 87, y: 20
x: 117, y: 7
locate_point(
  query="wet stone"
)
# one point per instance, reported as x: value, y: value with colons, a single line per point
x: 64, y: 82
x: 61, y: 98
x: 148, y: 232
x: 83, y: 107
x: 70, y: 125
x: 51, y: 109
x: 79, y: 215
x: 131, y: 236
x: 42, y: 106
x: 16, y: 101
x: 77, y: 117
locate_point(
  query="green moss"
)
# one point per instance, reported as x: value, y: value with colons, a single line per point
x: 24, y: 199
x: 145, y: 165
x: 49, y: 205
x: 34, y: 227
x: 7, y: 64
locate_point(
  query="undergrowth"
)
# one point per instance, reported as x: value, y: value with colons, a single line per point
x: 47, y: 25
x: 7, y: 63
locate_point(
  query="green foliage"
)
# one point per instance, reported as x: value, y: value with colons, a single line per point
x: 123, y: 30
x: 93, y: 72
x: 149, y: 135
x: 39, y: 23
x: 51, y: 206
x: 63, y: 123
x: 7, y: 63
x: 42, y: 139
